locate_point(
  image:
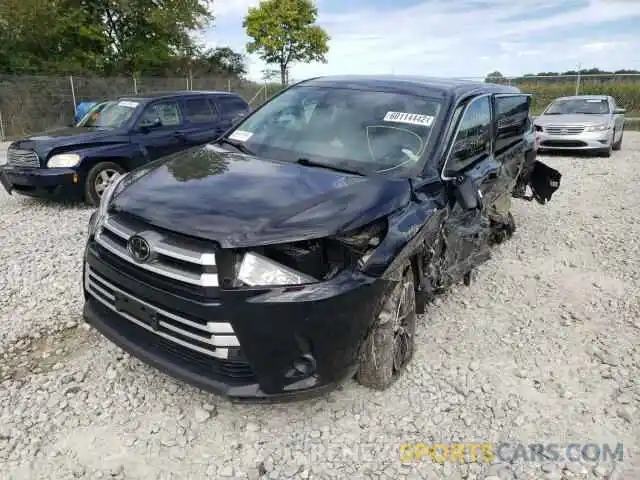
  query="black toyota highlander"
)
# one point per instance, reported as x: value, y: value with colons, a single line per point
x: 299, y: 249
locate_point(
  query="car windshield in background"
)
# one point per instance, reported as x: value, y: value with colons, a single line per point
x: 109, y: 114
x: 594, y: 106
x: 365, y: 131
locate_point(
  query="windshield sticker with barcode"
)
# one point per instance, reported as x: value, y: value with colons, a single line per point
x: 410, y: 118
x: 240, y: 135
x: 128, y: 103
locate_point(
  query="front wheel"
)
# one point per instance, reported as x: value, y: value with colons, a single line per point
x: 98, y: 179
x: 618, y: 145
x: 389, y: 346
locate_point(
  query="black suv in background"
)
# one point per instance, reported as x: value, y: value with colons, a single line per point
x: 117, y: 136
x: 299, y: 248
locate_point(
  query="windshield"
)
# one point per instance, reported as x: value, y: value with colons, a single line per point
x: 595, y: 106
x: 365, y: 131
x: 109, y: 114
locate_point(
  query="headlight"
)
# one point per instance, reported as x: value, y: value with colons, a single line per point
x: 597, y: 128
x: 98, y: 216
x: 256, y: 270
x: 64, y: 160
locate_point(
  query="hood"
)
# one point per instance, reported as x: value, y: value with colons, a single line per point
x: 572, y: 119
x: 66, y: 137
x: 243, y: 201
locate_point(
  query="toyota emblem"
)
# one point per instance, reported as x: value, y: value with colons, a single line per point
x: 139, y: 248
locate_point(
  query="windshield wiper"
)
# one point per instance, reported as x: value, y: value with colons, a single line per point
x: 310, y: 163
x: 590, y: 113
x: 237, y: 145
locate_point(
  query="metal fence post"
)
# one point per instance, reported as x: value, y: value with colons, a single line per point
x: 228, y: 85
x: 73, y: 96
x: 578, y: 80
x: 135, y: 85
x: 2, y: 135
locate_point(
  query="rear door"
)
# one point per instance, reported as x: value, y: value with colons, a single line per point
x: 201, y: 120
x: 232, y: 109
x: 159, y: 129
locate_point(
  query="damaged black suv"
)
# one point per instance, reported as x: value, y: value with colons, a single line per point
x: 298, y: 249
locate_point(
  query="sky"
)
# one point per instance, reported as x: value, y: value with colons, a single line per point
x: 456, y: 38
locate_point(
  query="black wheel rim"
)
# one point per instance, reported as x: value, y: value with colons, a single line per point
x: 404, y: 322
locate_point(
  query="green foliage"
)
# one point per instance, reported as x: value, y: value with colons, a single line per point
x: 38, y: 36
x: 108, y: 37
x: 284, y: 31
x: 144, y: 34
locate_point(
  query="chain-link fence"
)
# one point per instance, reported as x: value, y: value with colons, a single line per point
x: 31, y: 104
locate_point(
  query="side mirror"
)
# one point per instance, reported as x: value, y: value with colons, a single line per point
x: 467, y: 193
x: 620, y: 110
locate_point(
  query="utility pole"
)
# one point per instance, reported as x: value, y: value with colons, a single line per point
x: 578, y: 79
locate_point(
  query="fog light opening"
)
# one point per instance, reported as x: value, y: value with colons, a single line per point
x: 303, y: 367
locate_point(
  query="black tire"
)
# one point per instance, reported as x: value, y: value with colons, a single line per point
x: 618, y: 145
x: 390, y: 344
x: 97, y: 179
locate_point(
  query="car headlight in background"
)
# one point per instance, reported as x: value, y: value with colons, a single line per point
x: 597, y: 128
x: 256, y: 270
x: 64, y: 160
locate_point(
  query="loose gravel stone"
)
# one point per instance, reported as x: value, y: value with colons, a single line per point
x: 543, y: 346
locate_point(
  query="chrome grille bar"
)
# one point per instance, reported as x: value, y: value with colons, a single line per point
x: 564, y: 129
x: 113, y: 237
x: 214, y: 338
x: 22, y: 158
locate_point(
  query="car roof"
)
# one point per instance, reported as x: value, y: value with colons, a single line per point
x: 584, y: 97
x: 411, y: 84
x: 147, y: 97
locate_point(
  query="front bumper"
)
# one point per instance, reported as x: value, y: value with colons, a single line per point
x: 582, y: 141
x: 42, y: 182
x: 274, y: 330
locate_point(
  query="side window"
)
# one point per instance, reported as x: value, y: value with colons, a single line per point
x: 198, y: 110
x: 167, y: 113
x: 232, y: 107
x: 473, y: 140
x: 512, y: 120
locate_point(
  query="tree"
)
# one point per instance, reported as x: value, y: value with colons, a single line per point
x: 222, y: 60
x: 73, y: 43
x: 99, y: 36
x: 284, y: 32
x: 146, y: 33
x: 494, y: 77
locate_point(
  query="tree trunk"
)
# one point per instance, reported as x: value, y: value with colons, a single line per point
x: 283, y: 74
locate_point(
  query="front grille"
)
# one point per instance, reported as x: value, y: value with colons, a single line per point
x: 564, y: 129
x: 188, y: 262
x: 212, y: 339
x: 22, y: 158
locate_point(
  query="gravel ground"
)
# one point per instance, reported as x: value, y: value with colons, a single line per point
x: 542, y: 347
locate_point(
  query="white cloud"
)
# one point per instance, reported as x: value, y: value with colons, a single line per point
x: 446, y: 38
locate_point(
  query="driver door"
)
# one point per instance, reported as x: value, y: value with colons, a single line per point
x: 159, y: 129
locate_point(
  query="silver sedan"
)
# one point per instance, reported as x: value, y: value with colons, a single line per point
x: 585, y: 122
